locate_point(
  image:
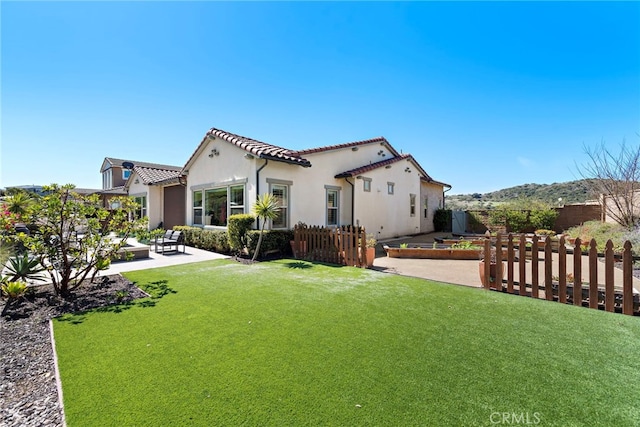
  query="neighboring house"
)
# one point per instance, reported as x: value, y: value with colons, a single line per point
x: 367, y: 183
x: 158, y: 189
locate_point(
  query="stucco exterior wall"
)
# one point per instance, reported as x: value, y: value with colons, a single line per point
x: 382, y: 214
x: 228, y: 167
x: 154, y: 195
x: 434, y: 197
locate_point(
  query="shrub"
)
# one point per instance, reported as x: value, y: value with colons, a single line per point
x: 210, y: 240
x: 14, y: 290
x: 517, y: 221
x: 543, y: 218
x: 273, y: 241
x: 442, y: 220
x: 239, y: 226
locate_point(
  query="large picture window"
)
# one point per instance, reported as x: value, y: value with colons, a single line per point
x: 333, y: 207
x: 213, y: 206
x: 281, y: 193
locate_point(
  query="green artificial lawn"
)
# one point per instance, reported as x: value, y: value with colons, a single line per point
x: 295, y: 343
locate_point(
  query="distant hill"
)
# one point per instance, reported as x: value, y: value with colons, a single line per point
x: 570, y: 192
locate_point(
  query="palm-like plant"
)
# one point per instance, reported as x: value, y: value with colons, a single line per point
x: 19, y: 203
x: 265, y: 208
x: 23, y: 268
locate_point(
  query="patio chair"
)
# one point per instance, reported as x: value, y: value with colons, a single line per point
x: 171, y: 240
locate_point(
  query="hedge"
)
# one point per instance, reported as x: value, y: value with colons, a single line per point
x: 210, y: 240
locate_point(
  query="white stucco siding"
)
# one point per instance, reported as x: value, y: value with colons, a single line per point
x: 388, y: 215
x: 154, y: 197
x: 433, y: 194
x: 229, y: 166
x: 334, y: 162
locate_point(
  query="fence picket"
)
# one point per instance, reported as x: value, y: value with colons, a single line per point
x: 499, y: 266
x: 593, y: 274
x: 534, y: 267
x: 548, y: 270
x: 522, y: 263
x: 609, y: 295
x: 577, y: 273
x: 627, y: 284
x: 510, y: 262
x: 562, y: 271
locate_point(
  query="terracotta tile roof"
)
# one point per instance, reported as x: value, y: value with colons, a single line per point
x: 424, y: 176
x: 379, y: 140
x: 257, y: 148
x: 114, y: 190
x: 153, y: 175
x: 371, y: 166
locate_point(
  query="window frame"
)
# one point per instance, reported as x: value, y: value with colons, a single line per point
x: 211, y: 188
x: 329, y: 189
x: 141, y: 210
x: 391, y: 188
x: 412, y: 204
x: 284, y: 208
x: 366, y: 185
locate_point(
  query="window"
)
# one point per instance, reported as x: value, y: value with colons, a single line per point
x: 412, y: 204
x: 236, y: 199
x: 213, y: 206
x: 106, y: 180
x: 281, y: 193
x: 366, y: 184
x: 141, y: 209
x: 197, y: 208
x: 390, y: 187
x: 333, y: 206
x: 426, y: 207
x: 215, y: 202
x: 126, y: 173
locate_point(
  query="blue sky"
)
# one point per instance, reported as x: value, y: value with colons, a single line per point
x: 484, y: 95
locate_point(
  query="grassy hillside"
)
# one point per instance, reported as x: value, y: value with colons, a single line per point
x: 569, y: 192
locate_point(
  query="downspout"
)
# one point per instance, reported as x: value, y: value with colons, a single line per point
x: 444, y: 198
x: 353, y: 199
x: 258, y: 188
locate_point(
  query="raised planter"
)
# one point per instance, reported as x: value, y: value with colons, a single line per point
x: 431, y: 253
x: 138, y: 250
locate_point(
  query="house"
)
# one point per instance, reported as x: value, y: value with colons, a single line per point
x: 158, y: 189
x: 367, y: 183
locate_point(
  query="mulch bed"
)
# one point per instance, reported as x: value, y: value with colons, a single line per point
x: 28, y: 392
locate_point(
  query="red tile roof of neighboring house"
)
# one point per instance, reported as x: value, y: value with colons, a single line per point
x: 153, y: 175
x: 258, y: 148
x: 379, y: 140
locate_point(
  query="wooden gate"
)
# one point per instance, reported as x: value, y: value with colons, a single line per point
x: 568, y: 286
x: 345, y: 245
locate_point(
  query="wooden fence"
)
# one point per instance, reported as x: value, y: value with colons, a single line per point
x: 567, y: 286
x: 342, y: 245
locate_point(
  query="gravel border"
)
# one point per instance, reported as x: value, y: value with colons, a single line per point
x: 29, y: 394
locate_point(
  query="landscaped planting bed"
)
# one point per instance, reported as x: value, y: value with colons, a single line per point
x: 296, y: 343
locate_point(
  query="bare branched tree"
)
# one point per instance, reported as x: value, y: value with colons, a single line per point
x: 615, y: 178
